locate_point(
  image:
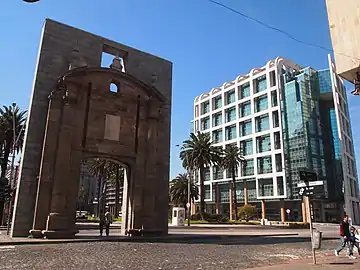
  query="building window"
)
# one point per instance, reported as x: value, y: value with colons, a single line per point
x: 278, y: 163
x: 229, y: 175
x: 277, y: 142
x: 230, y: 114
x: 245, y: 128
x: 217, y: 102
x: 248, y: 167
x: 280, y: 185
x: 207, y: 174
x: 260, y: 84
x: 262, y: 123
x: 272, y: 78
x: 244, y: 90
x: 217, y: 136
x: 313, y: 145
x: 246, y: 147
x: 312, y: 126
x: 245, y: 109
x: 205, y: 107
x: 275, y: 117
x: 321, y: 145
x: 323, y: 168
x: 261, y: 103
x: 263, y: 144
x: 274, y: 101
x: 205, y: 123
x: 230, y: 132
x: 264, y: 165
x: 217, y: 119
x: 207, y: 192
x: 266, y: 187
x: 230, y: 96
x: 218, y: 173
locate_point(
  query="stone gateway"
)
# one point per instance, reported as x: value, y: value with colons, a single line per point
x: 80, y: 110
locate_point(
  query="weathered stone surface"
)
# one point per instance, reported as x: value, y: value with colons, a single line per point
x: 54, y: 140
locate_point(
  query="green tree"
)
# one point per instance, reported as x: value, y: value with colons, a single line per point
x: 198, y: 153
x: 99, y: 169
x: 7, y: 116
x: 107, y: 171
x: 247, y: 212
x: 231, y: 161
x: 179, y: 190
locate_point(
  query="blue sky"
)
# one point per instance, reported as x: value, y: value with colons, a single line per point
x: 207, y: 44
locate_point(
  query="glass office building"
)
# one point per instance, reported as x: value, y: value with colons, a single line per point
x: 283, y: 117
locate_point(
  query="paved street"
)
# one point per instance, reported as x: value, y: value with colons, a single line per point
x: 234, y: 253
x: 218, y: 247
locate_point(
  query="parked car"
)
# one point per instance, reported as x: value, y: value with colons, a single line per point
x: 82, y: 214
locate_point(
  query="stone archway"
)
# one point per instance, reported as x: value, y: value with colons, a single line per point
x: 86, y: 119
x: 74, y: 114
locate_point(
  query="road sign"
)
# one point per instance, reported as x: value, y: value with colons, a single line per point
x: 307, y: 175
x: 311, y: 184
x: 288, y: 211
x: 313, y: 191
x: 188, y: 205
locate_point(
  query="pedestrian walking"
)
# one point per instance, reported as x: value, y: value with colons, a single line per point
x: 108, y: 221
x: 101, y: 222
x: 353, y: 239
x: 345, y: 238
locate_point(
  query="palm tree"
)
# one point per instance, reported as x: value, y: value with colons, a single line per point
x: 197, y: 153
x: 116, y: 179
x: 231, y: 161
x: 98, y: 168
x: 107, y: 172
x: 179, y: 190
x: 7, y: 116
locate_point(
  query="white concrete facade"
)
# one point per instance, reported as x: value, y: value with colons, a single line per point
x: 272, y: 71
x: 206, y: 116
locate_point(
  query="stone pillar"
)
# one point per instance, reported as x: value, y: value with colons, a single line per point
x: 217, y: 198
x: 231, y: 201
x: 282, y: 210
x: 48, y: 162
x: 263, y: 209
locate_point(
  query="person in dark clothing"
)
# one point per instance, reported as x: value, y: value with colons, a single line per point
x: 345, y: 238
x: 101, y: 223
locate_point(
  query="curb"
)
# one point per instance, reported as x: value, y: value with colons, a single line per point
x: 136, y: 239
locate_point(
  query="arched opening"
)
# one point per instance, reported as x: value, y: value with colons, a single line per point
x: 114, y: 88
x: 101, y: 183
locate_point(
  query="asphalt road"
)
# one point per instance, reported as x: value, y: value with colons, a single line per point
x: 243, y: 253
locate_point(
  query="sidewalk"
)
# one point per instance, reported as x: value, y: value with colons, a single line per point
x: 331, y: 262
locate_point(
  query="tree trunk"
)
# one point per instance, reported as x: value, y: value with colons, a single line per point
x: 234, y: 192
x: 245, y: 193
x: 98, y: 194
x: 4, y: 164
x: 117, y: 191
x: 202, y: 192
x: 231, y: 200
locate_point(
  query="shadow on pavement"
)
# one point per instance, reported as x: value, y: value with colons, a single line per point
x: 208, y: 239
